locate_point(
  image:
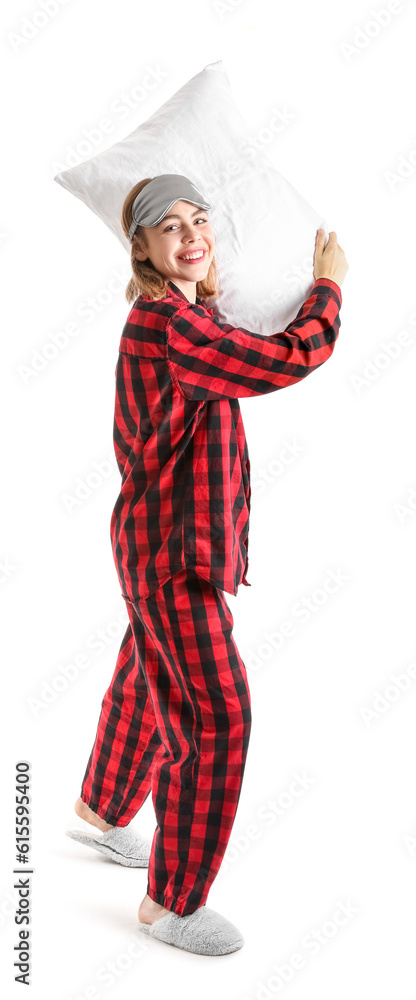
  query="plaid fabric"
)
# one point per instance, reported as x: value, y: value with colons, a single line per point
x: 179, y: 437
x: 176, y: 720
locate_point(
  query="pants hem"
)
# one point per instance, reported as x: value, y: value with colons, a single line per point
x: 182, y: 909
x: 104, y: 814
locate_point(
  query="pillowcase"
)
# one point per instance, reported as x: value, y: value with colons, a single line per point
x: 264, y: 229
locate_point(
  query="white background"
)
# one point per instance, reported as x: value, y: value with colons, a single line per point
x: 346, y: 504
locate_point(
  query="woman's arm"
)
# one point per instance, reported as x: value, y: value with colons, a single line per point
x: 213, y: 360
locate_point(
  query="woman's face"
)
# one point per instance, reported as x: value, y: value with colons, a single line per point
x: 184, y: 230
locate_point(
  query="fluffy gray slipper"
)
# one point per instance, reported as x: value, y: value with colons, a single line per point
x: 204, y: 932
x: 120, y: 844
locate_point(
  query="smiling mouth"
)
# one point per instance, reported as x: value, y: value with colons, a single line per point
x: 193, y: 256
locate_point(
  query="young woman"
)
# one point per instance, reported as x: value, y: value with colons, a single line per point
x: 176, y: 717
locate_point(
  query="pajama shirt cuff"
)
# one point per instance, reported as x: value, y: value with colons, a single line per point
x: 329, y: 283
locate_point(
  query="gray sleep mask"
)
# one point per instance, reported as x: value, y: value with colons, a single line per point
x: 156, y: 198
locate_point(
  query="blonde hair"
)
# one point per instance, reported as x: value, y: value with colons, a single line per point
x: 146, y: 278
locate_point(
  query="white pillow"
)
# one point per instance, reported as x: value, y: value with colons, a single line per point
x: 264, y: 229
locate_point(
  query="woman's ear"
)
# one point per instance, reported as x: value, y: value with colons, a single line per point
x: 139, y: 248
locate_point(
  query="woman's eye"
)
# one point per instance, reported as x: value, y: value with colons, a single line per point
x: 174, y: 224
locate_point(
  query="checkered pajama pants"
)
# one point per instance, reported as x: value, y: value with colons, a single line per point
x: 175, y: 720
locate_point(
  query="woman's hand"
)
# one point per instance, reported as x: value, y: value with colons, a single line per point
x: 329, y: 261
